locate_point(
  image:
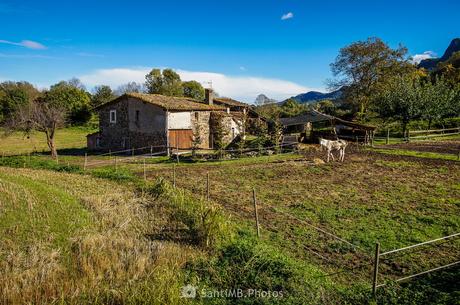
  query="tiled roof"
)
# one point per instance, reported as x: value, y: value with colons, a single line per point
x: 171, y: 103
x: 229, y: 102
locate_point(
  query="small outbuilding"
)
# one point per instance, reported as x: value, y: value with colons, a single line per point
x: 314, y: 124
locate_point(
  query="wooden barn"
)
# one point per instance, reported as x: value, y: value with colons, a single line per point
x: 314, y: 124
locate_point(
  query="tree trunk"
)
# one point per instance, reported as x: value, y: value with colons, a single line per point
x: 51, y: 144
x: 429, y: 123
x: 404, y: 128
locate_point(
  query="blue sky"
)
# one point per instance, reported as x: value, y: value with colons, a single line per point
x: 243, y: 47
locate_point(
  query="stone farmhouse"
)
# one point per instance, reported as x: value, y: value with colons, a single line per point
x: 136, y: 120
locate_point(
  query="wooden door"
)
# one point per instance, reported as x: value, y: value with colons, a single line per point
x: 180, y: 138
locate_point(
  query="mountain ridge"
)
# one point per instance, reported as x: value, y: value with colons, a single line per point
x: 431, y: 63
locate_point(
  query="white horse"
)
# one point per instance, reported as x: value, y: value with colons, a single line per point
x: 331, y: 145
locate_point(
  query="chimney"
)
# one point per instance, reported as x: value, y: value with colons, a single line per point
x: 209, y: 96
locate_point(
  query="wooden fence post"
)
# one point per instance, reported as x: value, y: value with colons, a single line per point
x: 86, y: 161
x: 357, y: 144
x: 376, y: 269
x: 208, y: 195
x: 151, y: 150
x: 145, y: 173
x: 256, y: 215
x: 116, y: 163
x: 132, y: 151
x: 174, y: 175
x: 388, y: 137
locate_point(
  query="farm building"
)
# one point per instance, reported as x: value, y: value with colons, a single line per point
x: 136, y: 120
x: 314, y: 124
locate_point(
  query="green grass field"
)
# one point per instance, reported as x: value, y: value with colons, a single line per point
x: 114, y: 238
x: 19, y: 143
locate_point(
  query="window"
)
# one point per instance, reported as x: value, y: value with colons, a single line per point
x: 113, y: 116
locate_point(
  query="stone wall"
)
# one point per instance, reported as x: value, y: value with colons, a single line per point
x: 200, y: 126
x: 126, y: 133
x: 220, y: 127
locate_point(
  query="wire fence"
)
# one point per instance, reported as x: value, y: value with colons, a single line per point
x: 361, y: 263
x: 364, y: 258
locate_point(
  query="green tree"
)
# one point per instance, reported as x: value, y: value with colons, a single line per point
x: 172, y: 84
x: 449, y: 70
x: 102, y: 94
x: 269, y: 111
x: 438, y: 100
x: 363, y: 69
x: 75, y: 100
x: 292, y: 108
x: 166, y: 82
x: 154, y: 81
x: 327, y: 107
x: 13, y: 95
x: 193, y: 89
x: 401, y: 100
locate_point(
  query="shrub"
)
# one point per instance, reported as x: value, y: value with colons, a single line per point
x: 204, y: 221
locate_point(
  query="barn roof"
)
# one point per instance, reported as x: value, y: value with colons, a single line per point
x: 316, y: 116
x: 311, y: 117
x: 170, y: 103
x: 230, y: 102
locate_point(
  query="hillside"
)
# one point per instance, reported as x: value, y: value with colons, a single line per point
x: 312, y: 97
x: 432, y: 63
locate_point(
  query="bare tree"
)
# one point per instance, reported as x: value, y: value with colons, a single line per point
x: 40, y: 116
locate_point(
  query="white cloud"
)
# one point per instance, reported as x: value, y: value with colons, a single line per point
x: 243, y: 68
x: 417, y: 58
x: 26, y: 44
x: 287, y: 16
x: 244, y: 88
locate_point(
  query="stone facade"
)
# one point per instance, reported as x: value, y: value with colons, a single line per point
x: 137, y: 124
x: 200, y: 126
